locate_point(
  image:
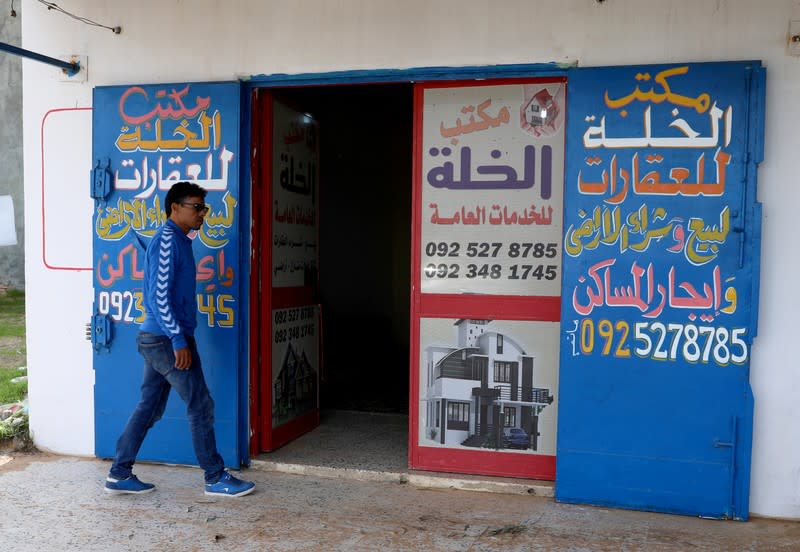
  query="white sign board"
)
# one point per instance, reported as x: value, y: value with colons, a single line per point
x: 492, y: 189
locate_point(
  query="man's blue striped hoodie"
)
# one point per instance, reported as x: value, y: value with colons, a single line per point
x: 169, y: 285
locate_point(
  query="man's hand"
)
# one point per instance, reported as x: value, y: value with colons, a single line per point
x: 183, y: 359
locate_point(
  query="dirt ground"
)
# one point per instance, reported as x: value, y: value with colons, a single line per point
x: 12, y: 352
x: 57, y: 503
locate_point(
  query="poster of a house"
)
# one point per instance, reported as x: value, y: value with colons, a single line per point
x: 295, y: 361
x: 489, y: 384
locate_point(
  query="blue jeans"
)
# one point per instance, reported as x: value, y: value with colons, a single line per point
x: 160, y: 376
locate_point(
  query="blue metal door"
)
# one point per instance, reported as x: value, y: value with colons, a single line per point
x: 146, y: 138
x: 660, y: 287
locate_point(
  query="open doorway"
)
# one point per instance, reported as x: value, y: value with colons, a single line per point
x: 364, y: 242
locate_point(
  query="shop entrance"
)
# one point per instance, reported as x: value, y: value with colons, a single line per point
x: 655, y: 304
x: 360, y: 284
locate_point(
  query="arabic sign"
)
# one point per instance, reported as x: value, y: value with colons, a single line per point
x: 294, y: 198
x: 492, y: 173
x: 156, y: 136
x: 660, y: 289
x: 654, y: 218
x: 160, y: 141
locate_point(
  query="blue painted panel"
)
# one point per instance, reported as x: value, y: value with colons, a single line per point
x: 661, y: 246
x: 153, y: 137
x: 413, y: 74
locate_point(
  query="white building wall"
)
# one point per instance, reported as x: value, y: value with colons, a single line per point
x: 173, y: 40
x: 457, y: 389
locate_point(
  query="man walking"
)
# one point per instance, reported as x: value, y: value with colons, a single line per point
x: 166, y: 341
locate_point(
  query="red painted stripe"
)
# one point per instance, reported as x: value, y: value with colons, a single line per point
x: 44, y: 227
x: 481, y: 462
x: 491, y: 307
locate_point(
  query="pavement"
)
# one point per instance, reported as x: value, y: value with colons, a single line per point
x: 344, y: 486
x: 57, y: 503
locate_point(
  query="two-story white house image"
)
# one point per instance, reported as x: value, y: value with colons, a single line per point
x: 482, y: 393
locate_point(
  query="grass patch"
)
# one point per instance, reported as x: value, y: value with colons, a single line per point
x: 13, y: 427
x: 12, y: 314
x: 11, y: 330
x: 11, y: 392
x: 12, y: 346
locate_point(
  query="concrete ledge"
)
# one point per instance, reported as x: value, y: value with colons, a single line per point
x: 330, y: 473
x: 425, y: 481
x: 494, y: 485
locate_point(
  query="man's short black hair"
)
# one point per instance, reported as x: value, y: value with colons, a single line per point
x: 180, y: 191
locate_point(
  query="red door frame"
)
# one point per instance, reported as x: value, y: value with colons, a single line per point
x: 493, y: 307
x: 531, y: 308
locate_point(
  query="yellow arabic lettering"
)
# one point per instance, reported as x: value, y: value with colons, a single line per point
x: 701, y: 103
x: 703, y: 243
x: 114, y: 222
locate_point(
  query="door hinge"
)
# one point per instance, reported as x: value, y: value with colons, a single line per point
x: 102, y: 332
x: 101, y: 179
x: 731, y: 444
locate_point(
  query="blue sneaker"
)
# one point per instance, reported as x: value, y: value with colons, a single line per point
x: 131, y: 485
x: 229, y: 485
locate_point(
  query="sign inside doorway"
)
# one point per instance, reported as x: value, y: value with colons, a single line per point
x: 290, y: 354
x: 295, y: 362
x: 294, y: 198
